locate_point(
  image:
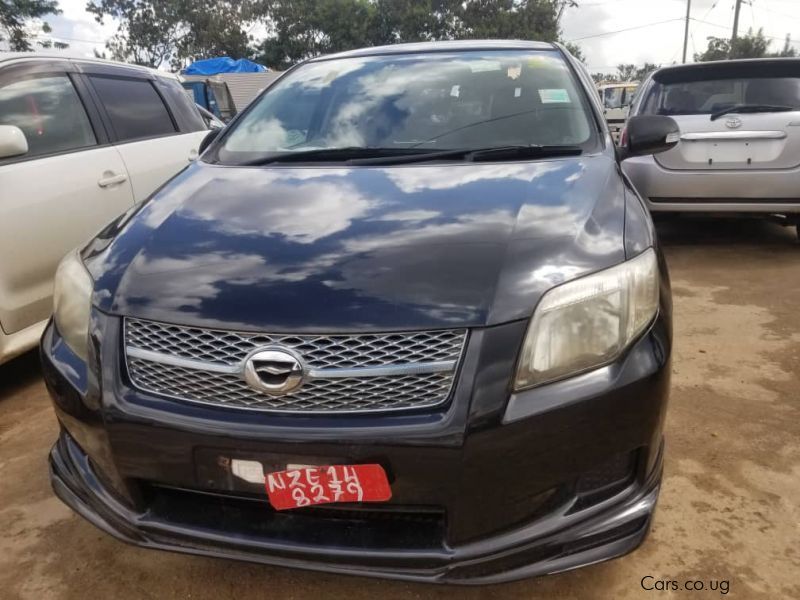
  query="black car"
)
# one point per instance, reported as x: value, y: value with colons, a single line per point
x: 404, y: 318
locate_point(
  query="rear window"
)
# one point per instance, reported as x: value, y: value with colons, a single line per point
x: 618, y: 97
x: 705, y: 92
x: 436, y: 100
x: 134, y: 107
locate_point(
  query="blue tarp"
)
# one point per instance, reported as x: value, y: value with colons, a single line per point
x: 212, y: 66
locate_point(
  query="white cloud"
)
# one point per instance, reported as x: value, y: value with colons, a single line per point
x: 663, y: 44
x: 78, y: 28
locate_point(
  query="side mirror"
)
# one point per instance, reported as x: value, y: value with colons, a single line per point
x: 12, y: 141
x: 649, y: 134
x: 210, y: 137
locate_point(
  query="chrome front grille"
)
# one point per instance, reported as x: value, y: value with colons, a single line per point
x: 343, y: 373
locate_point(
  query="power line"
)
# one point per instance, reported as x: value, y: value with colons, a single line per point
x: 775, y: 12
x: 772, y: 37
x: 586, y: 37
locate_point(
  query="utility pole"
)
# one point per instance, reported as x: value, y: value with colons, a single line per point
x: 686, y: 29
x: 736, y: 21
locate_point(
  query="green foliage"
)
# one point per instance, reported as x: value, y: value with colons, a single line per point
x: 15, y: 17
x: 750, y: 45
x: 575, y: 50
x: 301, y: 29
x: 626, y: 72
x: 153, y: 32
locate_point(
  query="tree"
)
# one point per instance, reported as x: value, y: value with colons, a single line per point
x: 154, y: 32
x: 751, y: 45
x: 510, y: 19
x: 20, y: 18
x: 631, y: 72
x: 301, y: 29
x: 575, y: 50
x: 604, y: 78
x: 788, y: 50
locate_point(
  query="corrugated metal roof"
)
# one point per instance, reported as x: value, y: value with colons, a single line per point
x: 242, y: 86
x: 246, y: 86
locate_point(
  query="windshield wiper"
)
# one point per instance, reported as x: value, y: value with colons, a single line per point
x: 358, y: 155
x: 751, y: 108
x: 325, y: 154
x: 489, y: 153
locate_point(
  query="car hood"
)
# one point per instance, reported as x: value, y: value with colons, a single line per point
x: 324, y: 249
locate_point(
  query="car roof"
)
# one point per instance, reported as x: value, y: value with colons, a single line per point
x: 446, y: 46
x: 699, y: 69
x: 33, y: 56
x: 616, y: 84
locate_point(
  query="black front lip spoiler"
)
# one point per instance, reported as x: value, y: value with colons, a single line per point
x: 610, y: 534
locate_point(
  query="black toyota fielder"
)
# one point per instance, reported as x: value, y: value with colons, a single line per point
x: 405, y: 317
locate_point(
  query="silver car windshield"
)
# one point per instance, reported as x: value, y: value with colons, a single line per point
x: 433, y: 101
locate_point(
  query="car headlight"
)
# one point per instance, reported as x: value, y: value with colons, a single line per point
x: 586, y: 323
x: 72, y: 296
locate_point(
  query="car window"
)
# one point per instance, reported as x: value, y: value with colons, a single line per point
x: 134, y: 107
x: 630, y: 95
x: 712, y: 95
x: 49, y: 113
x: 442, y: 101
x: 184, y: 109
x: 612, y: 97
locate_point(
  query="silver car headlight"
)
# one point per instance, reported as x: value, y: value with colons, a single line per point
x: 72, y: 296
x: 588, y: 322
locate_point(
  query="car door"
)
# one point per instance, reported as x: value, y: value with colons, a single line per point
x: 154, y: 143
x: 69, y: 184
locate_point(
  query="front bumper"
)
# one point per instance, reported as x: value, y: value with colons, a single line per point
x: 493, y: 488
x: 714, y: 191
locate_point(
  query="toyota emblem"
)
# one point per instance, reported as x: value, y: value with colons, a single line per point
x: 275, y: 371
x: 733, y: 122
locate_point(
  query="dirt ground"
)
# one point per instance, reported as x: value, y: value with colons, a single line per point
x: 730, y: 503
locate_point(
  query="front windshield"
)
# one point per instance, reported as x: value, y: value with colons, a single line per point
x: 431, y: 101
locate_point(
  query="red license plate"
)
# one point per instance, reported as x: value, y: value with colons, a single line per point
x: 296, y: 488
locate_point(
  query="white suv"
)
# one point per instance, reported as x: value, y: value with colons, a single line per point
x: 81, y: 141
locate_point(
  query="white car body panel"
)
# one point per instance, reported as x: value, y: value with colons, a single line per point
x: 152, y: 162
x: 49, y: 205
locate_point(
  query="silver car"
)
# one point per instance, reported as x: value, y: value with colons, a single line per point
x: 740, y: 138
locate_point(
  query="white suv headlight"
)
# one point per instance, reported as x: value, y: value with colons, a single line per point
x: 588, y: 322
x: 72, y: 296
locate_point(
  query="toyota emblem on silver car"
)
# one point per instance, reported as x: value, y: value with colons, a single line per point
x: 733, y: 122
x: 275, y: 371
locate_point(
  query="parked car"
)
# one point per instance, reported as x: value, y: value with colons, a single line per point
x: 210, y: 119
x: 409, y: 285
x: 617, y: 98
x: 740, y: 139
x: 81, y: 141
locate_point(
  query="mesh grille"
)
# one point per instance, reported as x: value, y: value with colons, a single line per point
x: 319, y: 351
x: 320, y: 395
x: 326, y: 394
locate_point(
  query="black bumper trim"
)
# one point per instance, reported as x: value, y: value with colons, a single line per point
x: 615, y: 531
